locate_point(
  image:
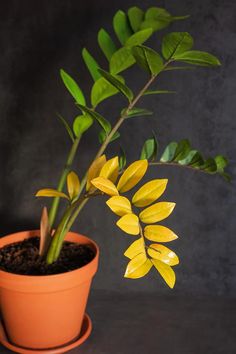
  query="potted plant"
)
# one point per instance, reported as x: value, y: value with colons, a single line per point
x: 46, y: 274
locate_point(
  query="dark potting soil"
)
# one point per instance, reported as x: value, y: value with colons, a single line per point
x: 23, y: 258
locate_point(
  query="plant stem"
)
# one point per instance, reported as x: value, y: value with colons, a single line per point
x: 68, y: 219
x: 55, y: 203
x: 176, y: 165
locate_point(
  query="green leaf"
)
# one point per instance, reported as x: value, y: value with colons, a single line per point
x: 197, y: 57
x: 102, y: 136
x: 139, y: 37
x: 121, y: 60
x: 148, y: 59
x: 135, y: 15
x: 121, y: 26
x: 102, y: 89
x: 149, y: 149
x: 182, y: 150
x: 221, y: 162
x: 176, y: 43
x: 106, y: 44
x: 157, y: 92
x: 169, y: 152
x: 226, y: 176
x: 171, y: 68
x: 106, y: 126
x: 156, y: 18
x: 209, y: 166
x: 117, y: 84
x: 68, y: 128
x: 122, y: 158
x: 91, y: 64
x: 136, y: 112
x: 81, y: 124
x: 197, y: 160
x: 189, y: 158
x: 72, y: 87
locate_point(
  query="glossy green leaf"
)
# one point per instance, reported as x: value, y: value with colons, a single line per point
x: 121, y: 60
x: 122, y: 158
x: 182, y: 150
x: 102, y: 136
x: 169, y: 152
x: 149, y: 149
x: 121, y: 26
x: 157, y: 18
x: 136, y: 112
x: 209, y: 166
x: 106, y: 44
x: 157, y: 92
x: 197, y: 57
x: 175, y: 67
x: 176, y: 43
x: 148, y: 59
x: 136, y: 16
x: 139, y: 37
x: 81, y: 124
x: 138, y: 267
x: 103, y: 89
x: 106, y: 126
x: 68, y: 128
x: 221, y: 162
x: 91, y: 64
x: 72, y: 87
x: 165, y: 271
x: 117, y: 84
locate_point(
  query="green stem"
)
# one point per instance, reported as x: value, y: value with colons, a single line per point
x: 55, y: 204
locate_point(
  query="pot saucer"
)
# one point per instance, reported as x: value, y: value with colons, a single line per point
x: 84, y: 334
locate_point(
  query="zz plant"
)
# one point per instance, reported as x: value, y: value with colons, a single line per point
x: 139, y: 215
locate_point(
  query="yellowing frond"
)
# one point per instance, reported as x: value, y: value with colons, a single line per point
x: 135, y: 248
x: 119, y: 205
x: 138, y: 267
x: 156, y: 212
x: 73, y: 185
x: 110, y: 169
x: 129, y: 223
x: 159, y: 233
x: 132, y: 175
x: 163, y: 253
x: 165, y: 271
x: 105, y: 185
x: 48, y: 192
x: 94, y: 170
x: 149, y: 192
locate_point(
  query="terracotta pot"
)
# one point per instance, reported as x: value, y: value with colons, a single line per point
x: 45, y: 311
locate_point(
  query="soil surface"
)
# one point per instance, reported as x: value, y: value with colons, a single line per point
x: 23, y: 258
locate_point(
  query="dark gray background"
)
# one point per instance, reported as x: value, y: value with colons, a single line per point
x: 40, y: 37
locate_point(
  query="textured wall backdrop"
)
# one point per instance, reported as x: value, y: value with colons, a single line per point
x: 37, y: 38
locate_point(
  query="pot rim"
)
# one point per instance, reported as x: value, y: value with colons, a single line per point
x: 45, y: 282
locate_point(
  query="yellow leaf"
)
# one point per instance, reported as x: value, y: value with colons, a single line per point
x: 135, y: 248
x: 165, y: 271
x: 163, y: 253
x: 94, y: 170
x: 156, y: 212
x: 105, y: 186
x: 110, y: 169
x: 129, y: 223
x: 132, y: 175
x: 138, y: 267
x: 73, y: 185
x: 149, y: 192
x: 119, y: 205
x: 159, y: 233
x: 48, y: 192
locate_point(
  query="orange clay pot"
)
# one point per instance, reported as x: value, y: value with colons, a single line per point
x: 43, y: 312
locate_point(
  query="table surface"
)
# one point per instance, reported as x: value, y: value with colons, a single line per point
x: 145, y: 323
